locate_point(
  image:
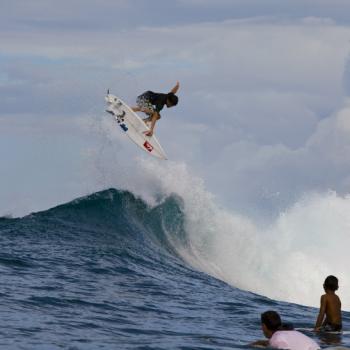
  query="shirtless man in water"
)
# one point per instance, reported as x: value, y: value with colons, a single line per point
x: 152, y: 103
x: 329, y: 318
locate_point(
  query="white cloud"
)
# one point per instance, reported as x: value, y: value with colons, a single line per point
x: 252, y: 99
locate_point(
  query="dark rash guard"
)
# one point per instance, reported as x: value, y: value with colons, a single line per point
x: 156, y: 99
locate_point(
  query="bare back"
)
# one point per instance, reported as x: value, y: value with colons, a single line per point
x: 332, y: 309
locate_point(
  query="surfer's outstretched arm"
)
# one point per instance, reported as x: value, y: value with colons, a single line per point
x: 175, y: 88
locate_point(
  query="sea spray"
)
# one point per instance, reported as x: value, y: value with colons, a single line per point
x: 286, y: 260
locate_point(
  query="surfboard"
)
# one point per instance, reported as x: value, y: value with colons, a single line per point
x: 322, y: 332
x: 133, y: 126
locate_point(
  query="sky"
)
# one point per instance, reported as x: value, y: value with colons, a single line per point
x: 264, y: 111
x: 258, y: 145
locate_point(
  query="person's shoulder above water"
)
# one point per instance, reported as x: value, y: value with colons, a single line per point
x: 281, y: 337
x: 330, y: 307
x: 292, y: 340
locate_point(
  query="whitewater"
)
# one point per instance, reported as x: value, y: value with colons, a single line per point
x: 163, y: 266
x: 285, y: 259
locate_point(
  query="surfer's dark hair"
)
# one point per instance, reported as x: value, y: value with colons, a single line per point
x: 331, y: 283
x: 172, y: 98
x: 272, y: 320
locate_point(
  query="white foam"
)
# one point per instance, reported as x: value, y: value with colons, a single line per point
x: 287, y: 261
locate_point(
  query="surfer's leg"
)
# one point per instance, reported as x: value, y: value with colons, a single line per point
x: 144, y: 110
x: 154, y: 117
x: 144, y: 105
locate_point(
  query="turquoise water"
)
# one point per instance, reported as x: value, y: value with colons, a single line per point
x: 104, y: 272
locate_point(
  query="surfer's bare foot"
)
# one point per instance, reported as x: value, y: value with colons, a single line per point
x: 148, y: 133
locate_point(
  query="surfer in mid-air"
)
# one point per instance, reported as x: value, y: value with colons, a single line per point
x: 152, y: 103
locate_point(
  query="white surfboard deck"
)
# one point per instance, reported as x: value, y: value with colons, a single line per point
x: 133, y: 126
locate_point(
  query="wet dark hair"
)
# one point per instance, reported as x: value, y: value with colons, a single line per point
x: 272, y: 320
x: 172, y: 98
x: 331, y: 283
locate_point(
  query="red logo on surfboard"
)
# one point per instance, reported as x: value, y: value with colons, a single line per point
x: 148, y: 146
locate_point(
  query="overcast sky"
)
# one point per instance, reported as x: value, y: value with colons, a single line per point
x: 263, y: 117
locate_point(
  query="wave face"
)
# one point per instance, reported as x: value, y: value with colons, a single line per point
x: 110, y: 271
x: 286, y: 258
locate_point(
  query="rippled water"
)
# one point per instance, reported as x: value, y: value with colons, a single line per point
x: 103, y: 272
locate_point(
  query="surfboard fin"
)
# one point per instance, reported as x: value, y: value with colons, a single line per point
x: 110, y: 111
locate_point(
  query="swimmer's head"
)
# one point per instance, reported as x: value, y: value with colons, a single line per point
x: 331, y: 283
x: 270, y: 323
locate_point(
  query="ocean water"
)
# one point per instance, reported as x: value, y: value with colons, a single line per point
x: 109, y: 271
